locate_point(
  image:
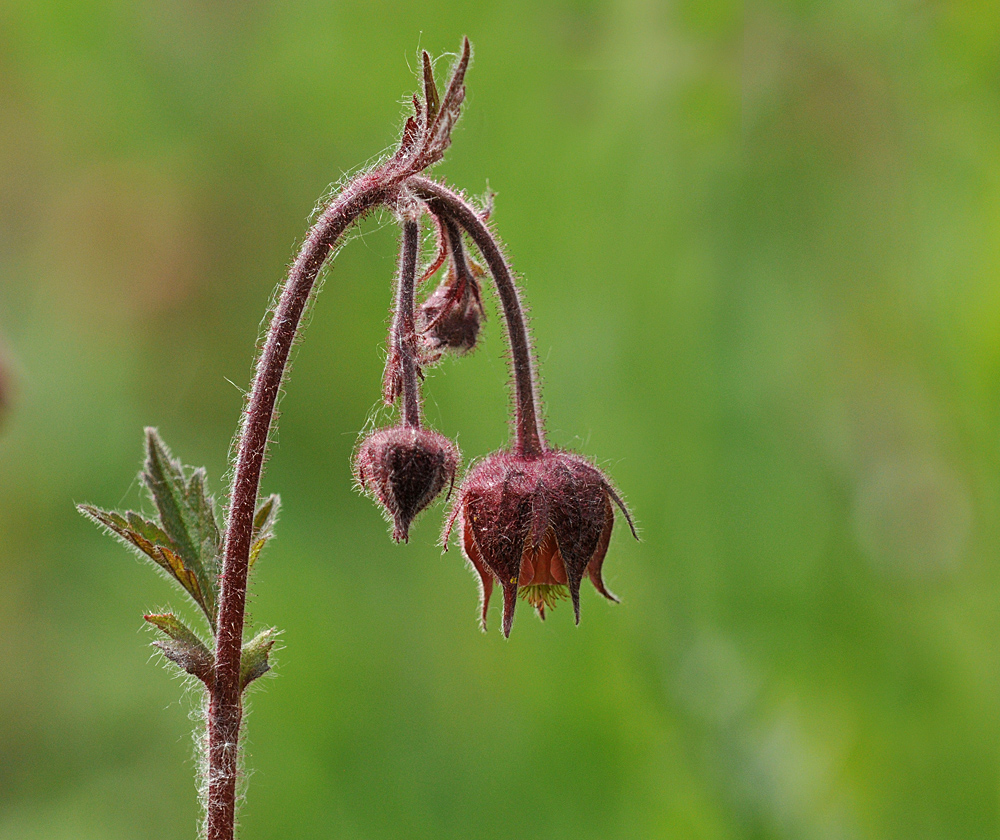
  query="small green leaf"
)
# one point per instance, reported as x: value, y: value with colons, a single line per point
x: 176, y: 629
x: 183, y: 647
x: 263, y: 525
x: 254, y: 658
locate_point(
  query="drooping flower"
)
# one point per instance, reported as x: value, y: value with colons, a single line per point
x: 404, y: 469
x: 535, y: 525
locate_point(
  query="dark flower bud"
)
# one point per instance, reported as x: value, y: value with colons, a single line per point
x: 536, y: 525
x: 404, y: 469
x: 450, y: 317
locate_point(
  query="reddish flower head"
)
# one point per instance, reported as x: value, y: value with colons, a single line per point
x: 536, y: 525
x: 404, y: 469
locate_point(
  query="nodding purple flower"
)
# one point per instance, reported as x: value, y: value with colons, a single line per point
x: 405, y: 469
x: 534, y: 520
x: 535, y: 525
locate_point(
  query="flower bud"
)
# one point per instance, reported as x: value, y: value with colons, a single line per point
x: 535, y: 525
x: 404, y: 469
x: 450, y: 317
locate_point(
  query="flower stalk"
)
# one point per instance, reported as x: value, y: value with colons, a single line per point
x: 401, y: 369
x: 423, y: 143
x: 529, y: 438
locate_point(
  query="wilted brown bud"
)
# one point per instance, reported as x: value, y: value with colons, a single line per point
x: 536, y: 525
x: 404, y: 469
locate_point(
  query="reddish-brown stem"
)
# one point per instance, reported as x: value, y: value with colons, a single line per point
x: 225, y: 711
x: 459, y: 262
x: 529, y: 437
x: 404, y: 334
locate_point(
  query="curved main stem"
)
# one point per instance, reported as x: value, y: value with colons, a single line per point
x: 225, y: 708
x: 366, y: 192
x: 529, y: 437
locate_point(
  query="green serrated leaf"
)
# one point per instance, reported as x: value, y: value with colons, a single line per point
x: 254, y: 657
x: 264, y: 521
x: 183, y: 647
x: 148, y: 539
x: 203, y: 524
x: 187, y: 516
x: 164, y: 479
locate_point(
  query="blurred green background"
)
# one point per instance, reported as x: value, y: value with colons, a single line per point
x: 760, y: 248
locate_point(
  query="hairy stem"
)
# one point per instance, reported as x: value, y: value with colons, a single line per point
x: 404, y: 334
x: 225, y: 711
x: 529, y: 437
x: 459, y: 262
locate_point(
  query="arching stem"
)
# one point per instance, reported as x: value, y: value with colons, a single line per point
x: 225, y: 706
x: 529, y: 437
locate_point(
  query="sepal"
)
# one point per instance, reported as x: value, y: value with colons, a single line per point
x: 430, y: 89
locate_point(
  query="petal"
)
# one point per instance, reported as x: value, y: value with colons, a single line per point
x: 557, y: 567
x: 527, y: 575
x: 542, y: 566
